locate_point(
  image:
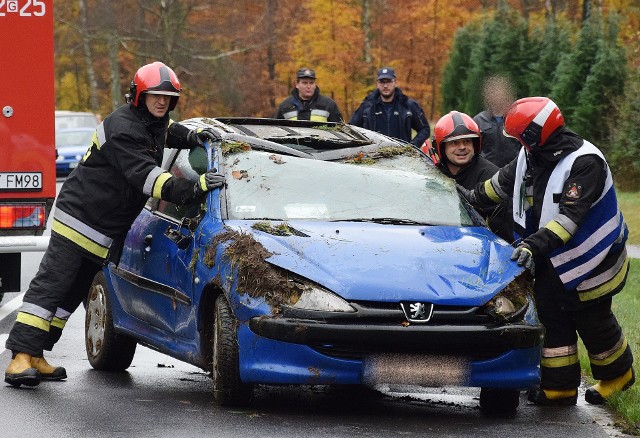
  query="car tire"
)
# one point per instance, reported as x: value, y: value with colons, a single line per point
x: 228, y: 389
x: 499, y: 402
x: 106, y: 350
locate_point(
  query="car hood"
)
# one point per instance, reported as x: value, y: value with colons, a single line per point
x: 374, y: 262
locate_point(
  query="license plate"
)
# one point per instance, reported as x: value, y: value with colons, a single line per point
x: 20, y: 181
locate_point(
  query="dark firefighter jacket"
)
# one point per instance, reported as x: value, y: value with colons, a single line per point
x: 101, y: 198
x: 496, y: 147
x: 405, y: 115
x: 318, y: 109
x: 479, y: 170
x: 584, y: 242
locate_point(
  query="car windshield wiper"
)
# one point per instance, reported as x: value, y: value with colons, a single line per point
x: 384, y: 220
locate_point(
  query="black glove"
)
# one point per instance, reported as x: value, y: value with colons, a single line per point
x: 208, y: 181
x: 524, y: 256
x: 469, y: 195
x: 197, y: 137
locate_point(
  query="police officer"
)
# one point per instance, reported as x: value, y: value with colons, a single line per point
x: 565, y: 208
x: 389, y: 111
x: 498, y: 95
x: 455, y: 149
x: 306, y: 102
x: 95, y: 208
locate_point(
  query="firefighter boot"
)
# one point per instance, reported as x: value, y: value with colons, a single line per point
x: 21, y: 372
x: 601, y: 391
x: 46, y: 371
x: 553, y: 397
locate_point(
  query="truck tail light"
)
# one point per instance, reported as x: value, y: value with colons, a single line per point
x: 22, y: 216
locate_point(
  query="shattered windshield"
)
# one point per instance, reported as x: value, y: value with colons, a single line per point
x: 395, y: 189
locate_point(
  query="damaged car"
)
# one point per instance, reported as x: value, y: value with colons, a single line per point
x: 333, y: 256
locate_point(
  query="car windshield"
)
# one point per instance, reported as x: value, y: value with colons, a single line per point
x: 401, y: 189
x: 73, y: 138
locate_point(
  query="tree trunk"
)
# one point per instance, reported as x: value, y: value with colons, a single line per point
x: 271, y: 63
x: 116, y: 97
x: 86, y: 49
x: 366, y: 30
x: 586, y: 9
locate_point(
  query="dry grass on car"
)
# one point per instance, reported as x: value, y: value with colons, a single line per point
x: 255, y: 276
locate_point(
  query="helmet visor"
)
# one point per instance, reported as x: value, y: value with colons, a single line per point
x: 166, y: 93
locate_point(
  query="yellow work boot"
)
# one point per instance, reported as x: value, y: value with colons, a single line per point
x: 601, y: 391
x: 553, y: 397
x: 46, y: 371
x: 21, y: 372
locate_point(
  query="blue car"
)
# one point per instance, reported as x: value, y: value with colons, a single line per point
x: 334, y: 256
x: 71, y: 145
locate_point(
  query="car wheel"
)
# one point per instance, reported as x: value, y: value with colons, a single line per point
x: 228, y: 389
x: 106, y: 350
x: 501, y: 402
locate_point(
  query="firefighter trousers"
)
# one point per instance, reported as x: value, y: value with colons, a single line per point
x: 61, y: 284
x: 564, y: 320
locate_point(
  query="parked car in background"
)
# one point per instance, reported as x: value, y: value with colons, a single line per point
x: 75, y: 119
x: 335, y: 255
x: 71, y: 145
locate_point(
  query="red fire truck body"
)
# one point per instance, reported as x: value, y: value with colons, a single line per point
x: 27, y: 133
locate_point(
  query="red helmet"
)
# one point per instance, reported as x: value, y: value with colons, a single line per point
x: 532, y: 120
x: 455, y: 126
x: 155, y: 78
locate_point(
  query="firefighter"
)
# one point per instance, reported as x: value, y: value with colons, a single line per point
x: 565, y: 208
x: 455, y: 149
x: 96, y: 207
x: 389, y: 111
x: 306, y: 102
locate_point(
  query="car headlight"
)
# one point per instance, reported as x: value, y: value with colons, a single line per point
x: 319, y: 299
x: 512, y: 302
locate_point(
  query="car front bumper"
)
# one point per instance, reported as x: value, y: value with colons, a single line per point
x: 281, y: 351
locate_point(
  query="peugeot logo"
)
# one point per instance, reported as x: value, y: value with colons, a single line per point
x: 417, y: 311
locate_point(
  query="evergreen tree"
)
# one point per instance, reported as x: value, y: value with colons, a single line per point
x: 552, y: 39
x: 574, y: 67
x: 456, y: 70
x: 604, y: 83
x: 503, y: 49
x: 624, y: 157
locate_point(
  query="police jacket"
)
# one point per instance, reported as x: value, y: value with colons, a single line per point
x: 479, y: 170
x: 496, y: 147
x: 405, y: 115
x: 318, y: 109
x: 565, y: 208
x: 101, y: 198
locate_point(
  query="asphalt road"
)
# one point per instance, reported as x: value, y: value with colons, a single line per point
x: 162, y: 397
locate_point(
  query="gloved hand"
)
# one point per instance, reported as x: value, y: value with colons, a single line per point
x: 524, y: 256
x: 469, y: 195
x: 197, y: 137
x: 208, y: 181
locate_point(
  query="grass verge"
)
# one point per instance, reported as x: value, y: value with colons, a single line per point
x: 626, y: 307
x: 630, y: 206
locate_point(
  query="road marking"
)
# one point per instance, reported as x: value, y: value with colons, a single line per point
x: 3, y: 339
x: 5, y: 311
x: 11, y: 306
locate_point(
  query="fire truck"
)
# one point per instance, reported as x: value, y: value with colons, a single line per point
x: 27, y: 134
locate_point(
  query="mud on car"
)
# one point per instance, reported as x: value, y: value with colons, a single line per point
x: 333, y: 256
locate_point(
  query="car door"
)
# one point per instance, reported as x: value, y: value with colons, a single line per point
x: 153, y: 280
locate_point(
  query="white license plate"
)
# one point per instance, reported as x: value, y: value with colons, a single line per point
x: 20, y: 181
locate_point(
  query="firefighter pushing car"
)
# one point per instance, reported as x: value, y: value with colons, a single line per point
x: 96, y: 207
x: 565, y: 208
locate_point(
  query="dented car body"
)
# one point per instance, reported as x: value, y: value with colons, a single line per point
x: 339, y: 256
